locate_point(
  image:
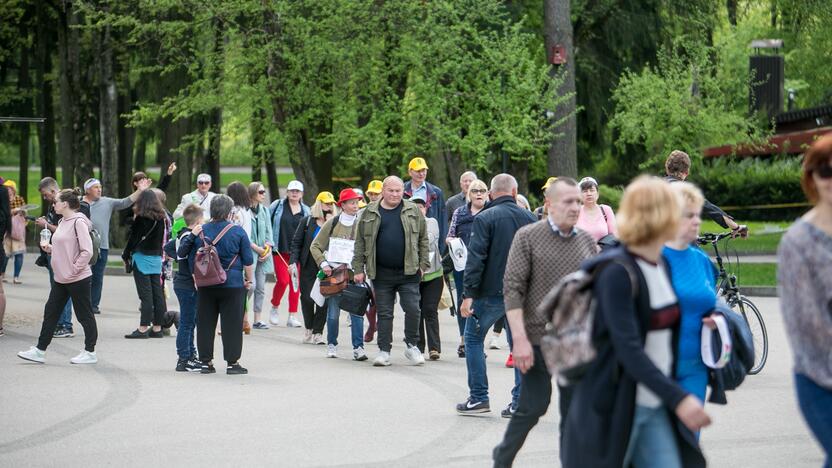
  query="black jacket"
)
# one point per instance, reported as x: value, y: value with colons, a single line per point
x: 494, y: 229
x: 182, y: 279
x: 146, y: 236
x: 299, y: 248
x: 709, y: 210
x: 600, y: 416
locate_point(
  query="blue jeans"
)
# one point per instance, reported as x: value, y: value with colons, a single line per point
x: 65, y: 320
x: 652, y: 440
x: 98, y: 279
x: 333, y: 314
x: 816, y: 406
x: 187, y: 323
x: 487, y: 310
x: 459, y: 277
x: 515, y: 391
x: 18, y: 264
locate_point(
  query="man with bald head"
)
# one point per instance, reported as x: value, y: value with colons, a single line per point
x: 391, y: 249
x: 491, y: 237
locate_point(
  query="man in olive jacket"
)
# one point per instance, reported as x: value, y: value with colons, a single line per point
x: 391, y: 247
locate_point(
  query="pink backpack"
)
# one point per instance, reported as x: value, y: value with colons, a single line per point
x: 208, y: 270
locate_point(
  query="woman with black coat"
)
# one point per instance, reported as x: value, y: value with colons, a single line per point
x: 143, y: 255
x: 314, y: 316
x: 628, y: 410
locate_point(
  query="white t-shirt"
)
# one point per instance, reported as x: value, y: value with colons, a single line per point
x: 242, y: 217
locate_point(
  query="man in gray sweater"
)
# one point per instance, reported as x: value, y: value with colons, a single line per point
x: 101, y: 211
x: 541, y: 254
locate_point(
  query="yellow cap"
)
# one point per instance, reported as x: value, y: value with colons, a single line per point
x: 549, y: 182
x: 11, y: 183
x: 325, y: 197
x: 361, y: 203
x: 374, y: 186
x: 417, y: 164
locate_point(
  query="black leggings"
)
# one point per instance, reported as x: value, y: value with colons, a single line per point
x: 225, y: 304
x: 430, y: 294
x: 81, y: 294
x: 151, y: 298
x: 314, y: 316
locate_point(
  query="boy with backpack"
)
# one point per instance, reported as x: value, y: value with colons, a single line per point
x: 183, y: 286
x: 541, y: 254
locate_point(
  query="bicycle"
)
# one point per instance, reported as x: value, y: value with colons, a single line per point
x: 728, y: 289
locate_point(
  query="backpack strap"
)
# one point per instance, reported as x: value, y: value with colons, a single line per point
x: 334, y: 223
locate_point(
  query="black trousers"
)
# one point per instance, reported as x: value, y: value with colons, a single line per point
x: 151, y: 298
x: 314, y: 316
x: 226, y: 305
x: 430, y: 293
x: 386, y: 285
x: 535, y: 395
x: 81, y: 294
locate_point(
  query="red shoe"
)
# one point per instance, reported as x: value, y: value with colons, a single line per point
x: 510, y: 360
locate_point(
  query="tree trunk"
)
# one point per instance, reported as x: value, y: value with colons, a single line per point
x: 24, y: 84
x: 563, y: 152
x: 731, y: 5
x: 258, y: 141
x: 72, y: 115
x: 46, y: 131
x: 140, y: 156
x: 126, y: 139
x: 212, y: 152
x: 107, y: 111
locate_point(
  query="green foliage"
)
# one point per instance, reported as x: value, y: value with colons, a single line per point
x: 610, y: 195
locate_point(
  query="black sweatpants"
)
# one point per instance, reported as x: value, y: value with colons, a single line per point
x: 81, y: 294
x: 225, y: 304
x: 535, y: 395
x: 314, y: 316
x: 430, y: 293
x: 151, y: 298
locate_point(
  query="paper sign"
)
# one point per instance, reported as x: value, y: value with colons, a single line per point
x: 340, y: 250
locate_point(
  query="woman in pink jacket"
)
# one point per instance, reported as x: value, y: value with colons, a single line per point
x: 71, y: 249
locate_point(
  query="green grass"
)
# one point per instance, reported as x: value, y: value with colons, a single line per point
x: 754, y: 274
x: 763, y: 236
x: 32, y: 195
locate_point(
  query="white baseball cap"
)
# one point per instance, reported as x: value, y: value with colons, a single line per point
x: 203, y: 178
x: 295, y: 185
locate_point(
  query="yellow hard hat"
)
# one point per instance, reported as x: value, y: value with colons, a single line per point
x: 325, y: 197
x: 417, y: 164
x: 549, y: 182
x: 374, y: 186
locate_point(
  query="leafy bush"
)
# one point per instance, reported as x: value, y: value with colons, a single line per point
x: 748, y: 182
x: 609, y: 195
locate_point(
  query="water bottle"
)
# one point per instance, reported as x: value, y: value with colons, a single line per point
x: 321, y: 274
x: 45, y: 237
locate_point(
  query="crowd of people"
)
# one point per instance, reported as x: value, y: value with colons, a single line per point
x: 654, y: 290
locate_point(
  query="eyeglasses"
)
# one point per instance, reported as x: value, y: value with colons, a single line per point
x: 824, y: 172
x: 478, y: 191
x: 203, y: 182
x: 261, y: 192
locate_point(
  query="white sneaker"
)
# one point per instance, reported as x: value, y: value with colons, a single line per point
x: 331, y: 351
x: 292, y: 322
x: 273, y: 316
x: 85, y: 357
x: 358, y: 354
x: 318, y: 339
x: 307, y: 337
x: 33, y: 354
x: 382, y: 360
x: 413, y: 355
x: 494, y: 343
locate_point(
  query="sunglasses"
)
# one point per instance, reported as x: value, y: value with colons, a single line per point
x: 261, y: 192
x: 203, y: 182
x: 478, y: 191
x: 824, y: 172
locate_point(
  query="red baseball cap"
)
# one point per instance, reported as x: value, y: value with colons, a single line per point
x: 348, y: 194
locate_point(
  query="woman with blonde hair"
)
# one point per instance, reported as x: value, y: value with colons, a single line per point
x: 314, y: 316
x: 629, y: 390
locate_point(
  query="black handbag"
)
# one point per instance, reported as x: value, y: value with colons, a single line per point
x: 355, y: 298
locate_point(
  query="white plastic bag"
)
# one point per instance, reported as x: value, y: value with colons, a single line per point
x: 459, y: 254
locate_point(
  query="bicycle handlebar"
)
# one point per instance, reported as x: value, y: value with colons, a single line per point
x: 712, y: 238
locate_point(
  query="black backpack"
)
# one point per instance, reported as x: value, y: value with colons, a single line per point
x: 742, y: 355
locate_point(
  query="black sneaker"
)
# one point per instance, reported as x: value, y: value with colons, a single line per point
x: 235, y: 369
x: 473, y: 407
x: 155, y: 334
x: 137, y: 335
x: 63, y: 333
x: 206, y: 368
x: 188, y: 365
x: 508, y: 412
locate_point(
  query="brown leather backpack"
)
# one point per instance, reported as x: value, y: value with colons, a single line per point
x: 208, y: 270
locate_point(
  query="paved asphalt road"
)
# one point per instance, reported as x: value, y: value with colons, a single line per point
x: 297, y: 408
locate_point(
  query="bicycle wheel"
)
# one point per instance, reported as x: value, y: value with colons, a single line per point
x: 754, y: 318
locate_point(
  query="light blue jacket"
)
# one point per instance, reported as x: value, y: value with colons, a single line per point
x: 261, y: 232
x: 276, y: 210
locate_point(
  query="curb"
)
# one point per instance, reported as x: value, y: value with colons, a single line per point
x: 759, y: 291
